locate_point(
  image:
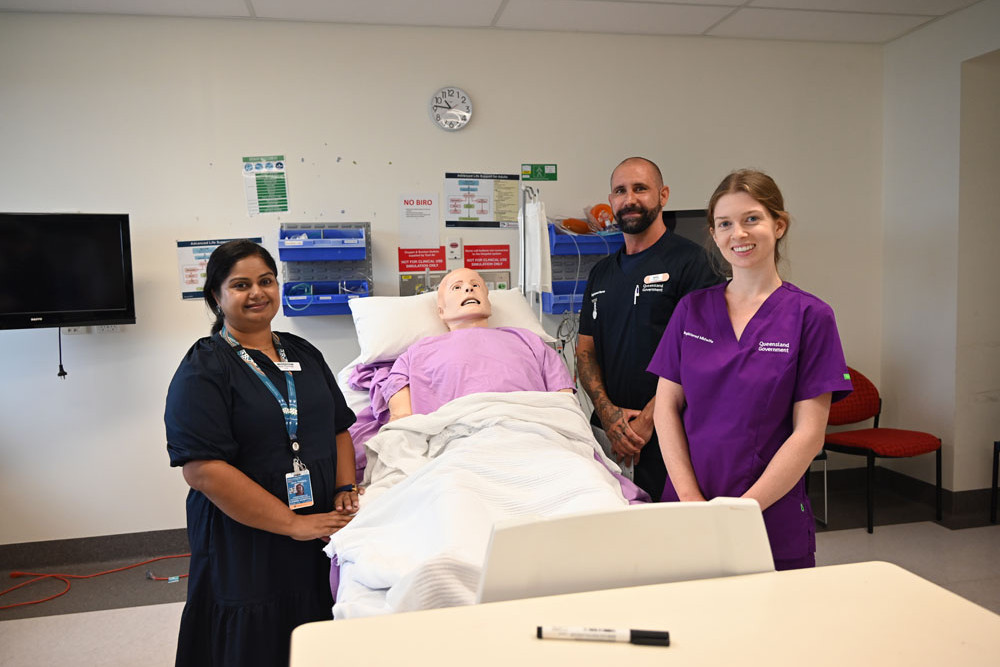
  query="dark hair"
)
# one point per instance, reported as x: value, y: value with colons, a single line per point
x: 220, y: 265
x: 763, y: 189
x: 637, y: 158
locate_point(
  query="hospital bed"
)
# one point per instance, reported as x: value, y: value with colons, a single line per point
x: 437, y: 483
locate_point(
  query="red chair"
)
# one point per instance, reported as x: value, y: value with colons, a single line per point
x: 862, y: 404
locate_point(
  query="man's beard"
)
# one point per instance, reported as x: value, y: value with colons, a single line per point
x: 636, y: 225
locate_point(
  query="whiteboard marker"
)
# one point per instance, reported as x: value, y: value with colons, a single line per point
x: 647, y: 637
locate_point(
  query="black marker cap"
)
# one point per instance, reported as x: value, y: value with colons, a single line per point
x: 649, y: 637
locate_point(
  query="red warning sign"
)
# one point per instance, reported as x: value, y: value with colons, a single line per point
x: 487, y: 257
x: 419, y: 259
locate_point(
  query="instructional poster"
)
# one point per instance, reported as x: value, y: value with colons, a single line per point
x: 192, y: 256
x: 419, y: 221
x: 264, y: 184
x: 480, y: 200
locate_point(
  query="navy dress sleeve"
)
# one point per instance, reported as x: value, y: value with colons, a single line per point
x: 198, y: 396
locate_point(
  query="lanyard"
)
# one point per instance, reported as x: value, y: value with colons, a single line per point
x: 289, y: 409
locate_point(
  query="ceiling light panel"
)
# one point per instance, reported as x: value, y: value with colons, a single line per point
x: 816, y: 26
x: 450, y: 13
x: 646, y: 18
x: 192, y: 8
x: 918, y: 7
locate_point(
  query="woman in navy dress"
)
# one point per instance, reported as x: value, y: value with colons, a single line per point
x: 258, y: 424
x: 748, y: 370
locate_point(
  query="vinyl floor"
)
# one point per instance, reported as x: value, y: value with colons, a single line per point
x: 128, y: 619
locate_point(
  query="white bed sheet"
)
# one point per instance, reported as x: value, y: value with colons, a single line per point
x: 438, y: 483
x: 356, y: 400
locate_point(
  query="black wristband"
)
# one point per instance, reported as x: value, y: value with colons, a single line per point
x: 345, y: 487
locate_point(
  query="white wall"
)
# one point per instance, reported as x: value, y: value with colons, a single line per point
x: 920, y: 272
x: 152, y: 116
x: 977, y: 372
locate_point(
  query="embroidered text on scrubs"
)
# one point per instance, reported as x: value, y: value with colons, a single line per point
x: 768, y: 346
x: 707, y: 340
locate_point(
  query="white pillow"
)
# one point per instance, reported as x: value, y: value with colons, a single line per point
x: 387, y: 325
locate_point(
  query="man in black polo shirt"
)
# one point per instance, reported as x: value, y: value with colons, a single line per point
x: 628, y: 301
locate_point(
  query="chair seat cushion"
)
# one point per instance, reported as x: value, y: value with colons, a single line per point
x: 890, y: 442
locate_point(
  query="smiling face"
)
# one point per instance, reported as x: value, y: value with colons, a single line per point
x: 637, y: 195
x: 249, y: 295
x: 745, y: 231
x: 463, y: 300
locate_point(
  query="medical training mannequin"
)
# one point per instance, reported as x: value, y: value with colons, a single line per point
x: 627, y: 303
x: 472, y: 357
x: 747, y: 373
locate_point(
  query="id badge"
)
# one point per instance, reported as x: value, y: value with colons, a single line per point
x: 299, y: 489
x: 292, y: 366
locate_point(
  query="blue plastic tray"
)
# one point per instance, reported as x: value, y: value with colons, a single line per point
x: 321, y: 298
x: 321, y: 244
x: 565, y: 294
x: 561, y: 243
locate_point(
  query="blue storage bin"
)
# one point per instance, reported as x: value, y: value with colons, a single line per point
x: 321, y: 298
x: 321, y: 244
x: 561, y: 243
x: 565, y: 294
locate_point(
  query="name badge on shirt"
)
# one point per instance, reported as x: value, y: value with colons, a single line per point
x: 299, y: 489
x: 656, y: 278
x: 288, y: 365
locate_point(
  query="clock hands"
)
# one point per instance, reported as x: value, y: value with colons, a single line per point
x: 448, y: 115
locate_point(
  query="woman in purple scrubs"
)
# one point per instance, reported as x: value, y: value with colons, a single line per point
x: 747, y: 371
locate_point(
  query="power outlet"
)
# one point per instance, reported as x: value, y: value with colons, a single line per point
x: 108, y: 328
x: 75, y: 331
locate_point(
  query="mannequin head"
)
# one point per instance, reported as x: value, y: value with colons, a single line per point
x: 463, y: 300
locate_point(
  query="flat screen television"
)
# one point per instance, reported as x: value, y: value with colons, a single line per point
x: 65, y: 269
x: 690, y: 223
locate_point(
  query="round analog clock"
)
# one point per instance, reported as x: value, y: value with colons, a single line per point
x: 451, y: 108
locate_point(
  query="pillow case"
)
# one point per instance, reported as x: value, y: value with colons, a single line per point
x: 387, y: 325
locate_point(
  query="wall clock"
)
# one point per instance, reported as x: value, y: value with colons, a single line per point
x: 451, y: 108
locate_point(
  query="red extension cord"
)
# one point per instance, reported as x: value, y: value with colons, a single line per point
x: 66, y: 577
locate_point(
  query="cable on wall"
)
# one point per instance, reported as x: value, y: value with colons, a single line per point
x: 62, y: 372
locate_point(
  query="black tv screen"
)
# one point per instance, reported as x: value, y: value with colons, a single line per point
x: 691, y: 223
x: 65, y: 269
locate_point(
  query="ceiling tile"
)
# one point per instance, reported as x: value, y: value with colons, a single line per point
x: 920, y: 7
x: 452, y: 13
x: 607, y: 16
x: 194, y: 8
x: 815, y: 26
x: 716, y: 3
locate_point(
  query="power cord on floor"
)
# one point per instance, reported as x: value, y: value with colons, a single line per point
x: 65, y: 578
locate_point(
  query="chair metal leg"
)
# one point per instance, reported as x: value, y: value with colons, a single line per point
x: 826, y: 501
x: 871, y: 493
x: 938, y: 481
x: 993, y: 492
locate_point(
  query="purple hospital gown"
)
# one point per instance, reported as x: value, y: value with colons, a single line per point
x: 469, y: 361
x: 740, y: 395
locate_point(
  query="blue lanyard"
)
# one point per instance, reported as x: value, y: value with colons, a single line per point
x: 289, y: 409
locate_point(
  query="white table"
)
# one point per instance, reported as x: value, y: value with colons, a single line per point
x: 859, y: 614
